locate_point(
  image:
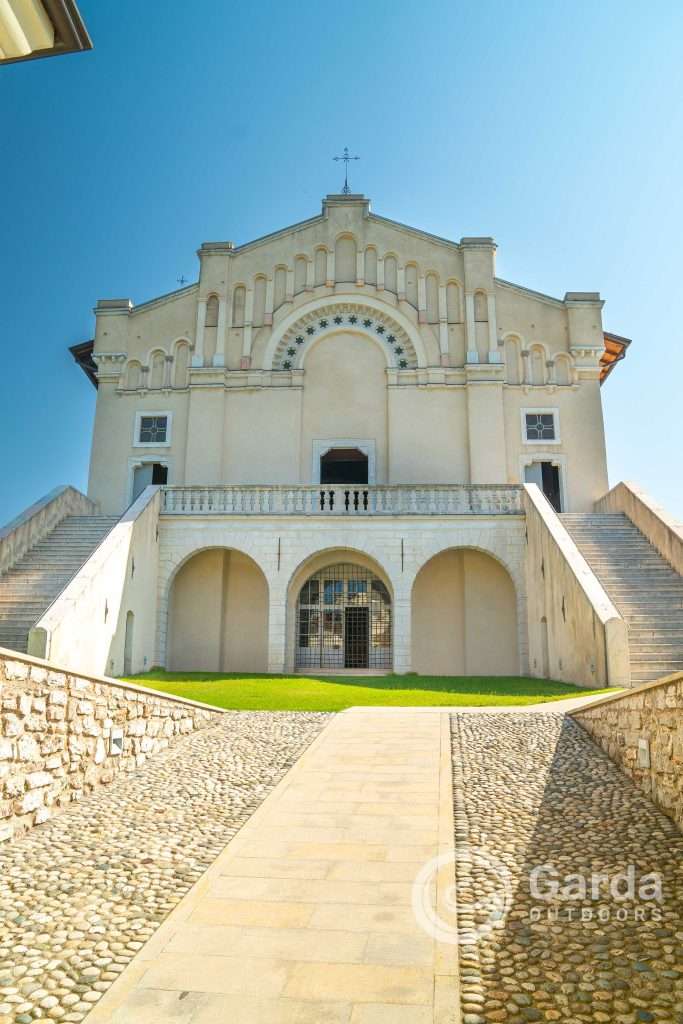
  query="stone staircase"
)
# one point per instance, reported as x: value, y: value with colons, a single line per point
x: 642, y: 585
x: 30, y: 586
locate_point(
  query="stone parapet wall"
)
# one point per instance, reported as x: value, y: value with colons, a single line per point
x: 37, y: 521
x: 661, y: 529
x: 576, y: 634
x: 63, y: 735
x: 642, y: 732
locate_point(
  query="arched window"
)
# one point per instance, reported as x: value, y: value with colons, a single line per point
x: 239, y: 298
x: 320, y: 275
x: 390, y: 274
x: 157, y: 366
x: 279, y: 287
x: 181, y: 364
x: 512, y: 361
x: 211, y: 319
x: 371, y: 265
x: 259, y: 301
x: 432, y: 290
x: 453, y: 302
x: 563, y: 370
x: 411, y: 284
x: 133, y: 375
x: 345, y: 259
x: 300, y: 272
x: 481, y: 311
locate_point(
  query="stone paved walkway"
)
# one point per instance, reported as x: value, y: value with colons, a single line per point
x: 533, y: 790
x: 306, y: 917
x: 80, y: 895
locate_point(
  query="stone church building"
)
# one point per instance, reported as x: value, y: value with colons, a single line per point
x: 349, y: 447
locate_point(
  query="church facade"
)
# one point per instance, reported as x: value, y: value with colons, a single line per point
x: 337, y: 423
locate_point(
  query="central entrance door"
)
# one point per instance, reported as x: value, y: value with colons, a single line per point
x: 343, y: 620
x: 356, y: 637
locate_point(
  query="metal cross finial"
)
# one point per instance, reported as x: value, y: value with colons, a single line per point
x: 346, y: 158
x: 181, y: 280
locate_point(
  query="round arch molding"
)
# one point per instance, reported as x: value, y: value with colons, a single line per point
x: 399, y: 339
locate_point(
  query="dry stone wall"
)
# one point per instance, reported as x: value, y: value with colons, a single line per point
x: 642, y: 731
x: 63, y: 735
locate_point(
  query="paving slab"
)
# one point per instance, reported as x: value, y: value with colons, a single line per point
x: 306, y: 915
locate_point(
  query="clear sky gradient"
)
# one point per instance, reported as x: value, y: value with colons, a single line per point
x: 556, y: 128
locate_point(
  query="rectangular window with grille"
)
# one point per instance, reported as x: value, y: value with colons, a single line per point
x: 540, y: 426
x: 153, y: 429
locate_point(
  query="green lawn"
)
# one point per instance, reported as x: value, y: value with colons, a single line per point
x: 320, y: 693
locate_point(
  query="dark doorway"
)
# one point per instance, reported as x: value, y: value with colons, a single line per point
x: 148, y: 473
x: 344, y: 466
x: 356, y: 637
x: 547, y: 477
x: 551, y: 485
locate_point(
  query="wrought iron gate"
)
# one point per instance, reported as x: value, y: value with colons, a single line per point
x: 343, y: 620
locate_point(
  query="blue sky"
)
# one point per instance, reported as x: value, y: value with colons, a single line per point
x: 557, y: 129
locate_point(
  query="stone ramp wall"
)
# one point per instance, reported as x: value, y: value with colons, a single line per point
x: 60, y: 733
x: 642, y: 731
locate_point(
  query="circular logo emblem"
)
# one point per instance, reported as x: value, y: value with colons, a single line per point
x: 461, y: 922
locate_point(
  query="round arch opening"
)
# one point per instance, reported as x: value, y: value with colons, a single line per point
x: 464, y: 616
x: 218, y: 614
x: 343, y: 620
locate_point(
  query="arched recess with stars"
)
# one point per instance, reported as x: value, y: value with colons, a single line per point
x: 398, y: 338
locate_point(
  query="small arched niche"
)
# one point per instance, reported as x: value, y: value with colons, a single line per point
x: 371, y: 265
x: 563, y: 370
x: 300, y: 274
x: 239, y: 298
x: 481, y: 309
x: 133, y: 379
x: 345, y: 259
x: 181, y: 364
x: 513, y: 361
x: 259, y: 314
x: 391, y: 274
x: 157, y: 366
x: 320, y: 267
x: 432, y: 298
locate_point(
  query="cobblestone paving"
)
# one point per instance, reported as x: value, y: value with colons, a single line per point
x: 533, y: 790
x: 80, y: 895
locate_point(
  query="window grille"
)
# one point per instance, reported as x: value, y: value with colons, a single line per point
x: 343, y: 620
x: 540, y: 426
x: 153, y: 429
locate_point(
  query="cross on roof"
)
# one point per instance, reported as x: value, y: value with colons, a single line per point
x: 347, y: 159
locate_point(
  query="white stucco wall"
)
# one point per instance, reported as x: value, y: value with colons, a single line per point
x: 239, y: 416
x: 84, y: 629
x: 287, y: 551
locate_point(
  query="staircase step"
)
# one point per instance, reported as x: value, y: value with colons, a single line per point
x: 646, y: 590
x: 28, y: 588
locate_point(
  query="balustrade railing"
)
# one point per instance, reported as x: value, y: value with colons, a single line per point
x: 343, y: 500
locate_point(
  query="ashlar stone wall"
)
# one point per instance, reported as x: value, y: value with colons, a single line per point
x: 63, y: 735
x: 642, y: 731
